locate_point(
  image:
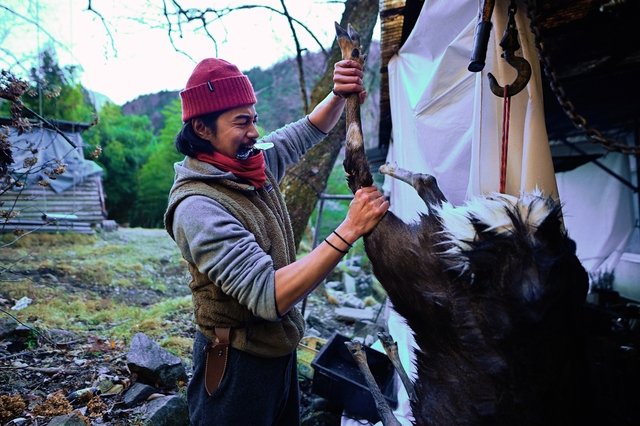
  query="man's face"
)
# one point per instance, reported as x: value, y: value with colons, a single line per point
x: 236, y: 129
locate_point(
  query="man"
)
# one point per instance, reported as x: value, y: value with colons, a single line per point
x: 229, y: 219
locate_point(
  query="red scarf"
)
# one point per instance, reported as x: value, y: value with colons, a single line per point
x: 251, y: 169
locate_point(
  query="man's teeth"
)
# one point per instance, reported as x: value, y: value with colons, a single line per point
x: 246, y: 151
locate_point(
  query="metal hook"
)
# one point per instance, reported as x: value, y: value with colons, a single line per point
x: 509, y: 44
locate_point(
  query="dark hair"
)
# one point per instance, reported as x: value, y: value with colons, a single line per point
x: 187, y: 142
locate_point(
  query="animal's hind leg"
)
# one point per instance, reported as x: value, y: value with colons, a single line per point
x: 355, y: 163
x: 425, y: 185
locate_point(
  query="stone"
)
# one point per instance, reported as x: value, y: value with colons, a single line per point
x: 349, y: 283
x: 353, y: 314
x: 67, y: 420
x: 7, y: 327
x: 136, y: 394
x: 153, y: 364
x: 167, y: 411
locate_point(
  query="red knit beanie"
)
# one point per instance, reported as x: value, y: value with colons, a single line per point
x: 215, y: 85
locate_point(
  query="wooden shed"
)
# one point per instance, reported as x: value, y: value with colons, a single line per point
x: 33, y: 198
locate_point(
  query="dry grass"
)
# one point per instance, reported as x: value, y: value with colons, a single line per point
x: 114, y: 285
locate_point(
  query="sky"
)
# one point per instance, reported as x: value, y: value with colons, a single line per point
x: 141, y: 59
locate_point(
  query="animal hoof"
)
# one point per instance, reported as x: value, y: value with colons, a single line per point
x: 388, y: 168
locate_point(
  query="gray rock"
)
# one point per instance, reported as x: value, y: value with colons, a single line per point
x: 154, y: 365
x: 353, y: 314
x: 23, y: 330
x: 136, y: 394
x: 67, y: 420
x: 7, y: 327
x: 167, y: 411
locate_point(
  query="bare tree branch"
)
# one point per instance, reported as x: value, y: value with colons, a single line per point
x: 202, y: 15
x: 18, y: 62
x: 106, y: 27
x: 303, y: 89
x: 170, y: 30
x: 31, y: 21
x: 40, y: 28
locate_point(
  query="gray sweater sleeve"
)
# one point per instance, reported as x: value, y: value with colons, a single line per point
x: 291, y: 142
x: 217, y: 243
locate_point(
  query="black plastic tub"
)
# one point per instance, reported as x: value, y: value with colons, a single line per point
x: 337, y: 378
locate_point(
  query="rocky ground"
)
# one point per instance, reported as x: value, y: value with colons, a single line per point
x: 44, y: 374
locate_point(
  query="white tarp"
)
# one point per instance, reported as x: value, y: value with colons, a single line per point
x: 598, y: 211
x: 448, y: 123
x: 51, y: 148
x: 446, y: 120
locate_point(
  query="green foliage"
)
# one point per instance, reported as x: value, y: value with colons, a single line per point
x: 5, y: 108
x: 334, y: 211
x: 32, y: 339
x: 278, y: 89
x: 55, y: 93
x: 126, y: 143
x: 156, y: 176
x: 137, y: 158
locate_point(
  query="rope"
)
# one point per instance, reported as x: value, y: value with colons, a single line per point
x: 506, y: 109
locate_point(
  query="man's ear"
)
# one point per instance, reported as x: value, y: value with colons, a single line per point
x: 200, y: 128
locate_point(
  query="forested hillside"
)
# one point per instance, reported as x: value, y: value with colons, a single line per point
x: 278, y: 92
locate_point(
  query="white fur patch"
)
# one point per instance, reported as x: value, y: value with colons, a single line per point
x: 491, y: 209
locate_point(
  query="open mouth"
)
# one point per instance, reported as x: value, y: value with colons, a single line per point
x: 247, y: 151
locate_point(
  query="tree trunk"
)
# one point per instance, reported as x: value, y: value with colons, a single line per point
x: 307, y: 180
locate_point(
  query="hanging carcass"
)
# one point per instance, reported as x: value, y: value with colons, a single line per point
x: 492, y: 291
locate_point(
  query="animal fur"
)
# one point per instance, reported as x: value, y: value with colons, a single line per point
x: 493, y: 293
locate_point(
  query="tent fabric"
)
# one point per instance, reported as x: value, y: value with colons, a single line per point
x: 446, y: 120
x: 50, y: 147
x: 609, y: 209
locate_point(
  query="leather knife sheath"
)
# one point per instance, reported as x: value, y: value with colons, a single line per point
x: 216, y: 359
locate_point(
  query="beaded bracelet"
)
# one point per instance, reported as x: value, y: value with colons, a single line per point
x: 341, y: 251
x: 343, y: 240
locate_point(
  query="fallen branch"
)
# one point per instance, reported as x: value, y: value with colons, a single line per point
x: 51, y: 370
x: 22, y: 353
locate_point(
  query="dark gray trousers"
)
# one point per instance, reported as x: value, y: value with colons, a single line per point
x: 254, y: 391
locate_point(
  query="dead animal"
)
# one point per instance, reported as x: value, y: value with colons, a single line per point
x: 492, y: 291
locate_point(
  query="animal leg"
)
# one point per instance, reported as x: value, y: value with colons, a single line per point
x: 391, y: 348
x: 426, y: 185
x: 384, y: 410
x: 355, y: 163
